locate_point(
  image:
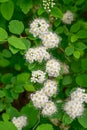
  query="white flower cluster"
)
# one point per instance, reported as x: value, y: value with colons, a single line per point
x: 68, y: 17
x: 50, y: 40
x: 37, y: 54
x: 53, y: 68
x: 50, y: 88
x: 75, y: 106
x: 49, y: 109
x: 38, y: 76
x: 41, y: 98
x: 20, y: 122
x: 38, y: 27
x: 48, y: 4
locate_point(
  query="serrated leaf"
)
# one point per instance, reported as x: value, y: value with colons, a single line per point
x: 45, y: 127
x: 13, y: 49
x: 69, y: 51
x: 82, y: 34
x: 7, y: 126
x: 56, y: 12
x: 25, y: 5
x: 83, y: 120
x: 16, y: 27
x: 3, y: 34
x: 80, y: 46
x: 16, y: 43
x: 82, y: 80
x: 7, y: 9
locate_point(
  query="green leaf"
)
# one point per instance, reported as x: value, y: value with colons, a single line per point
x: 7, y: 9
x: 29, y: 87
x: 83, y: 119
x: 6, y: 53
x: 13, y: 49
x: 2, y: 1
x: 40, y: 11
x: 66, y: 119
x: 5, y: 116
x: 56, y: 12
x: 16, y: 27
x: 79, y: 2
x: 7, y: 126
x: 23, y: 78
x: 3, y: 34
x: 76, y: 54
x: 67, y: 1
x: 6, y: 78
x: 74, y: 38
x: 80, y: 46
x: 32, y: 114
x: 84, y: 64
x: 69, y: 50
x: 67, y: 80
x: 2, y: 94
x: 82, y: 34
x: 82, y: 80
x: 25, y: 5
x: 75, y: 27
x: 26, y: 42
x: 16, y: 43
x: 45, y: 127
x: 4, y: 62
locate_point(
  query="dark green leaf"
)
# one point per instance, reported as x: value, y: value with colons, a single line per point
x: 82, y: 80
x: 75, y: 27
x: 6, y: 53
x: 67, y: 80
x: 80, y: 46
x: 84, y: 64
x: 69, y: 50
x: 2, y: 94
x: 4, y: 62
x: 82, y: 34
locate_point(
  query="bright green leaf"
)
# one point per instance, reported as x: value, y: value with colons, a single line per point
x: 23, y: 78
x: 16, y: 43
x: 29, y: 87
x: 3, y: 34
x: 69, y: 51
x: 7, y: 9
x: 5, y: 116
x: 82, y: 80
x: 45, y: 127
x: 75, y: 27
x: 7, y: 126
x: 74, y: 38
x: 2, y: 94
x: 13, y: 49
x: 3, y: 1
x: 16, y: 27
x: 40, y: 11
x: 80, y: 46
x: 76, y: 54
x: 56, y: 12
x: 66, y: 119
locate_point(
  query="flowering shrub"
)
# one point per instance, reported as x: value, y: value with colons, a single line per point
x: 43, y: 65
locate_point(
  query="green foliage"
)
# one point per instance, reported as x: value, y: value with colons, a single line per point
x: 15, y: 73
x: 16, y: 27
x: 7, y: 9
x: 45, y: 127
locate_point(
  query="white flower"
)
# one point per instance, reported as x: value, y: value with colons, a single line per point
x: 68, y: 17
x: 50, y: 88
x: 74, y: 108
x: 49, y: 109
x: 85, y: 98
x: 78, y: 95
x: 53, y: 68
x: 38, y: 26
x: 37, y: 54
x: 39, y: 99
x: 38, y: 76
x: 65, y: 68
x: 48, y: 4
x: 20, y: 122
x: 50, y: 40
